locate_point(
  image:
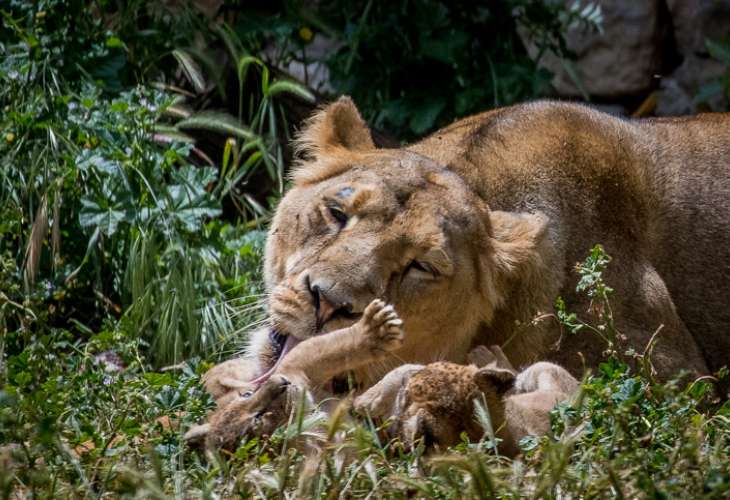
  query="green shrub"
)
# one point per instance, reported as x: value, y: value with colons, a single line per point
x: 416, y: 65
x: 100, y: 216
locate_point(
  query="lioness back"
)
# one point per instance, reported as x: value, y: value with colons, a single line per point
x: 655, y: 191
x: 473, y: 232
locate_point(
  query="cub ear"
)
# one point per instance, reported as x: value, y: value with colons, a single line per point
x: 337, y: 126
x: 497, y: 373
x: 493, y: 377
x: 481, y: 357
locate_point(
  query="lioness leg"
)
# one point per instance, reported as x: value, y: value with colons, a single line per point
x: 652, y: 309
x: 640, y: 306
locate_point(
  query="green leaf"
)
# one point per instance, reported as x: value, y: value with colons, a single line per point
x: 188, y: 201
x: 172, y: 134
x: 114, y: 42
x: 88, y: 161
x: 216, y: 121
x: 244, y: 63
x: 191, y: 69
x: 426, y: 115
x: 106, y: 219
x: 719, y: 49
x: 289, y: 87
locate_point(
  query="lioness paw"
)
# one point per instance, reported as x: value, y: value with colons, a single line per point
x: 382, y: 326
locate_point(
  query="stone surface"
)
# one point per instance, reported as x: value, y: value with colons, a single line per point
x: 618, y: 62
x: 693, y: 22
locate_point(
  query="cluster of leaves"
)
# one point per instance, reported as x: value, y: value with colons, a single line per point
x: 99, y: 217
x: 83, y: 418
x: 255, y: 123
x: 92, y: 419
x: 414, y: 65
x: 592, y: 284
x: 417, y: 65
x: 718, y: 89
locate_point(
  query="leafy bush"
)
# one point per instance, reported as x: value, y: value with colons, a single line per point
x: 417, y: 65
x: 100, y: 217
x: 92, y: 419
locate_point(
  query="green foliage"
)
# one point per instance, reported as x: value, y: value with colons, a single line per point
x: 257, y: 135
x: 591, y: 284
x: 100, y: 215
x: 79, y: 420
x: 417, y: 65
x: 718, y: 89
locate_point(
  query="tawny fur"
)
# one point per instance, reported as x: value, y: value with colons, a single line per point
x: 435, y: 402
x: 499, y: 207
x: 246, y: 410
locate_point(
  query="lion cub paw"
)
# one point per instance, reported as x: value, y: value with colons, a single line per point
x: 381, y: 326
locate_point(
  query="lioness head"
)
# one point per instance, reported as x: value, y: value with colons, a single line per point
x: 361, y: 222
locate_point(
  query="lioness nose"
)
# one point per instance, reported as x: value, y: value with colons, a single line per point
x: 324, y: 306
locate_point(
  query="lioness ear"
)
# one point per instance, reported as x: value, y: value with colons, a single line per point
x: 517, y: 236
x: 518, y: 242
x: 337, y: 126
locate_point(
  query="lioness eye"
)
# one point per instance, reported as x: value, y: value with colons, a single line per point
x: 338, y: 215
x: 417, y: 265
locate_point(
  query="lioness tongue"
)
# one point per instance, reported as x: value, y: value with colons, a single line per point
x: 289, y: 344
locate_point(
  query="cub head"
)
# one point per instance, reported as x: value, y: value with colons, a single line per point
x: 437, y: 403
x: 257, y: 412
x: 361, y: 223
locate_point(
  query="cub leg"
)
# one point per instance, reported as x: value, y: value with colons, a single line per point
x: 544, y: 376
x: 379, y: 400
x: 318, y: 359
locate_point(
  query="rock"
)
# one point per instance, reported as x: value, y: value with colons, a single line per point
x: 620, y: 61
x: 694, y: 21
x: 315, y: 73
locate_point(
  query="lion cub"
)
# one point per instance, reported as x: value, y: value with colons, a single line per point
x: 436, y: 402
x: 258, y: 411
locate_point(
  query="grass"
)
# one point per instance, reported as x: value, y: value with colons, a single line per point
x: 92, y: 419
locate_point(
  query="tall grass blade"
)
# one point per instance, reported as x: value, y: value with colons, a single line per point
x: 33, y: 250
x: 288, y: 87
x: 219, y: 122
x: 191, y: 69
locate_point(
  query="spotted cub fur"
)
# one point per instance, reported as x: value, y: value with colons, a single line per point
x: 436, y: 402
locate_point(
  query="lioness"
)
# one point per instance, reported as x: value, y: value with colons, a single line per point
x: 474, y: 230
